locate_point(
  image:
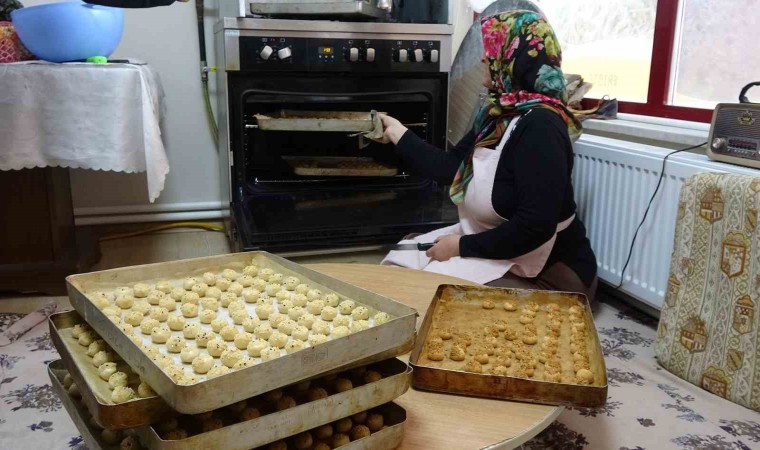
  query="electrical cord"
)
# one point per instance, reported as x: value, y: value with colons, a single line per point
x: 201, y: 225
x: 649, y: 206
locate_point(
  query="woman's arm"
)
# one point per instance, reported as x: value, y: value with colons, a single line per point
x: 426, y: 159
x: 541, y: 178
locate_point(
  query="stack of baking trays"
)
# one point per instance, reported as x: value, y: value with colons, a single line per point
x: 231, y: 352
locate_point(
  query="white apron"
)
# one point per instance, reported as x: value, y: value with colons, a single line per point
x: 476, y: 215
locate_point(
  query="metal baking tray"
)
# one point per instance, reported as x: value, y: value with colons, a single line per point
x: 95, y: 391
x: 281, y: 425
x: 78, y: 413
x: 336, y: 166
x: 342, y: 121
x: 433, y: 376
x: 374, y: 344
x: 356, y: 8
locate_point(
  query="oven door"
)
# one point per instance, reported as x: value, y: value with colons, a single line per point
x: 280, y: 208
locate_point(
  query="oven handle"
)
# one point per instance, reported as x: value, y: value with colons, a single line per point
x: 337, y: 94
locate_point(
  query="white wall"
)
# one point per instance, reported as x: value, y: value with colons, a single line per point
x: 166, y: 38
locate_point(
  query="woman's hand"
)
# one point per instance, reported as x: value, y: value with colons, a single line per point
x: 445, y: 248
x: 393, y: 130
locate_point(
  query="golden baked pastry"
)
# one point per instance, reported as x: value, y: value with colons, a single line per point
x: 510, y: 334
x: 525, y: 319
x: 491, y: 331
x: 488, y: 304
x: 463, y: 339
x: 584, y: 376
x: 510, y: 306
x: 502, y: 361
x: 435, y: 354
x: 529, y: 339
x: 473, y: 366
x: 375, y: 422
x: 500, y: 325
x: 499, y: 370
x: 528, y: 312
x: 456, y: 353
x: 359, y: 431
x: 533, y: 306
x: 554, y: 377
x: 445, y: 333
x: 482, y: 358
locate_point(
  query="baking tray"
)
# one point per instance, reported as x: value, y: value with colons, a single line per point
x: 306, y: 416
x: 336, y: 166
x: 95, y: 391
x: 432, y: 376
x: 333, y: 121
x: 356, y: 8
x: 374, y: 344
x: 78, y: 413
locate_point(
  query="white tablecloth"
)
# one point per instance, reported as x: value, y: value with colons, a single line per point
x: 87, y: 116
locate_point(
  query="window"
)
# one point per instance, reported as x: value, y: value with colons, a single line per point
x: 716, y: 52
x: 667, y: 58
x: 608, y: 42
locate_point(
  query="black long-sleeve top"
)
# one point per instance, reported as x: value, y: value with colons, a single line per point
x: 532, y: 189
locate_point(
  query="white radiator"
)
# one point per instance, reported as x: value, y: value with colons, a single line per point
x: 614, y: 181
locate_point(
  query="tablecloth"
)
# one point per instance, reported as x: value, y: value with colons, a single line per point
x: 87, y: 116
x: 648, y: 408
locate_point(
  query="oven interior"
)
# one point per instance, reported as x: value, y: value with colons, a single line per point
x: 280, y: 208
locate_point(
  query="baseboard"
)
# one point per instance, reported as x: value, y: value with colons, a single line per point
x: 168, y: 212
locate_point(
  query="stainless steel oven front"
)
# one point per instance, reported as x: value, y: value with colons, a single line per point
x: 271, y: 67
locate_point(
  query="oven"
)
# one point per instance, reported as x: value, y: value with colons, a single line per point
x: 311, y: 182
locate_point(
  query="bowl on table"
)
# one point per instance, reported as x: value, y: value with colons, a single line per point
x: 69, y: 31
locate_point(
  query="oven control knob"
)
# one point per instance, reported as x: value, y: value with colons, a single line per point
x: 284, y: 53
x: 418, y: 56
x: 370, y: 55
x: 353, y: 54
x: 403, y: 55
x: 433, y: 56
x: 266, y: 52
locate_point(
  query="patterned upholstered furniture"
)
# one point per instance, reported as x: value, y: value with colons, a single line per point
x: 708, y: 330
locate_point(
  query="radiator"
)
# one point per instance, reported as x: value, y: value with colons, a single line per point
x: 613, y: 182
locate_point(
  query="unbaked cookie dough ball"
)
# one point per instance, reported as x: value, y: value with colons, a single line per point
x: 272, y: 289
x: 256, y: 346
x: 103, y: 357
x: 169, y: 303
x: 223, y: 284
x: 230, y: 274
x: 251, y: 270
x: 250, y: 295
x: 159, y: 313
x: 291, y: 283
x: 300, y: 300
x: 105, y: 370
x: 276, y: 318
x: 189, y: 310
x: 96, y: 347
x: 207, y: 316
x: 191, y: 330
x: 263, y: 331
x: 228, y: 333
x: 250, y: 324
x: 287, y: 326
x: 118, y: 379
x: 209, y: 278
x: 381, y: 318
x: 320, y: 327
x: 242, y: 340
x: 359, y: 325
x: 283, y: 296
x: 176, y: 323
x: 164, y: 286
x: 339, y: 332
x: 270, y: 353
x: 360, y: 313
x: 302, y: 289
x: 235, y: 288
x: 245, y: 280
x: 332, y: 299
x: 231, y: 356
x: 346, y: 306
x: 160, y: 335
x: 219, y: 323
x: 300, y: 332
x: 216, y: 347
x: 125, y: 302
x: 175, y: 344
x: 204, y: 337
x: 328, y: 313
x: 122, y: 394
x: 313, y: 294
x: 203, y: 363
x: 188, y: 354
x: 307, y: 320
x: 239, y: 316
x: 316, y: 339
x: 191, y: 297
x: 200, y: 289
x: 342, y: 321
x: 145, y: 391
x: 278, y: 339
x: 141, y: 306
x: 294, y: 345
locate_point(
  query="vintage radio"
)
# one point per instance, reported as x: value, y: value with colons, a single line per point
x: 735, y: 132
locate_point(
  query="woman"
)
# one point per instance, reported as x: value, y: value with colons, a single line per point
x: 511, y: 175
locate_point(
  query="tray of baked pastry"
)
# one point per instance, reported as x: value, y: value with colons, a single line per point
x: 191, y: 329
x: 103, y: 377
x: 378, y: 427
x: 284, y: 412
x: 534, y: 346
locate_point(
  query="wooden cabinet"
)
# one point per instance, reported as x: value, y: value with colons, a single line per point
x: 39, y: 245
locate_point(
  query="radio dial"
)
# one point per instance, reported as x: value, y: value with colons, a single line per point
x: 719, y: 144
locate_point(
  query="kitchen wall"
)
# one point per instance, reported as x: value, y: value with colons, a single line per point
x: 166, y: 38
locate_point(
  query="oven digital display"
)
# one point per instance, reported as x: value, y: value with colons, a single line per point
x: 325, y: 50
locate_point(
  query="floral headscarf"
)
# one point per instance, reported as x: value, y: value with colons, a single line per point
x: 524, y: 57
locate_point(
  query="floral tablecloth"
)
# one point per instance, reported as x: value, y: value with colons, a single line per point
x: 648, y: 407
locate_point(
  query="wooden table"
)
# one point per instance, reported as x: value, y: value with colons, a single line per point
x: 440, y: 421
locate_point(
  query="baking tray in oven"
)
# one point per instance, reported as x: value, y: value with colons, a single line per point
x: 204, y: 393
x: 337, y: 166
x: 343, y: 121
x: 481, y: 316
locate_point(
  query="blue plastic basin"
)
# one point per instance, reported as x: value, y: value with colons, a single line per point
x: 69, y: 31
